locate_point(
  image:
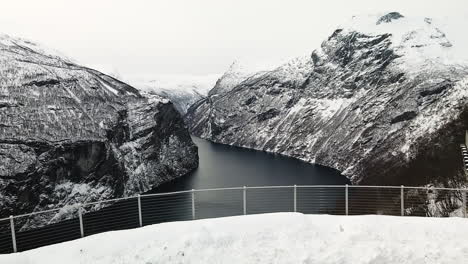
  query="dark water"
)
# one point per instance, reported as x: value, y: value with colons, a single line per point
x: 220, y: 166
x: 229, y: 166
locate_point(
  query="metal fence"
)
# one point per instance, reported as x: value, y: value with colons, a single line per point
x: 28, y: 231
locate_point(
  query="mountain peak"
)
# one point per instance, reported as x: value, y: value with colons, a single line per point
x: 389, y: 17
x: 236, y: 67
x: 235, y: 74
x: 419, y: 39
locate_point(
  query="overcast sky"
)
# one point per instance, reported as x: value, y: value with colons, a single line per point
x: 138, y: 37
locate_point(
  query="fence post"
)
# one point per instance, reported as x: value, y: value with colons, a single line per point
x: 464, y: 203
x: 346, y: 199
x: 244, y: 201
x: 139, y: 211
x: 295, y: 198
x: 80, y: 217
x: 193, y: 204
x: 13, y: 234
x: 402, y: 202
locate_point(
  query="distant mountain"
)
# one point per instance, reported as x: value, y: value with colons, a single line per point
x: 182, y: 90
x: 186, y: 90
x: 70, y: 134
x: 384, y: 100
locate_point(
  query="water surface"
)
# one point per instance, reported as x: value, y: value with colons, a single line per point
x: 229, y: 166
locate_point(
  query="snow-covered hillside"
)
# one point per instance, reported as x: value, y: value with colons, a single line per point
x: 384, y: 100
x: 269, y: 238
x: 70, y: 134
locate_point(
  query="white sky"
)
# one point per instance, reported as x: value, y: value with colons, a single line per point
x: 197, y: 37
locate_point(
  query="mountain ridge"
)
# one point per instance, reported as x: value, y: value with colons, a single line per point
x: 363, y: 103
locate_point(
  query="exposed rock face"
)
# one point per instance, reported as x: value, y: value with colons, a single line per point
x: 382, y: 100
x: 389, y: 18
x: 70, y: 134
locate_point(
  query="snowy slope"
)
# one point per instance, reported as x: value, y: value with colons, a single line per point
x: 384, y: 100
x: 269, y: 238
x: 234, y: 75
x: 70, y: 134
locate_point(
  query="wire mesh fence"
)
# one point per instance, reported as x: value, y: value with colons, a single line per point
x: 218, y: 203
x: 24, y: 232
x: 374, y: 200
x: 166, y: 208
x: 321, y: 200
x: 108, y: 216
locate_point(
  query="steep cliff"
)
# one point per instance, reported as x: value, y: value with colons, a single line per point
x: 70, y: 134
x: 384, y: 100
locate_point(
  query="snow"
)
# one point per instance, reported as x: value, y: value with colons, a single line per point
x: 7, y: 40
x: 109, y: 88
x: 269, y: 238
x: 182, y: 90
x: 327, y: 108
x: 236, y: 74
x: 176, y: 83
x: 435, y: 116
x: 419, y: 39
x: 296, y: 70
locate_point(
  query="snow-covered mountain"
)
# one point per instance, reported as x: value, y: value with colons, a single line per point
x: 185, y: 90
x: 235, y: 74
x: 384, y: 100
x: 182, y: 90
x: 70, y: 134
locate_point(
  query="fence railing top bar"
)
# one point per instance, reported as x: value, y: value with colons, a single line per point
x: 437, y: 188
x: 110, y: 200
x: 407, y: 187
x: 375, y: 186
x: 321, y: 186
x: 162, y: 194
x: 35, y: 213
x: 269, y: 187
x: 219, y: 189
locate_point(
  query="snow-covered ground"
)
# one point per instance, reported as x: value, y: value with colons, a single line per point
x: 269, y: 238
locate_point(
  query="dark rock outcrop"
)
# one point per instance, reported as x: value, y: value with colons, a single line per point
x: 389, y: 17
